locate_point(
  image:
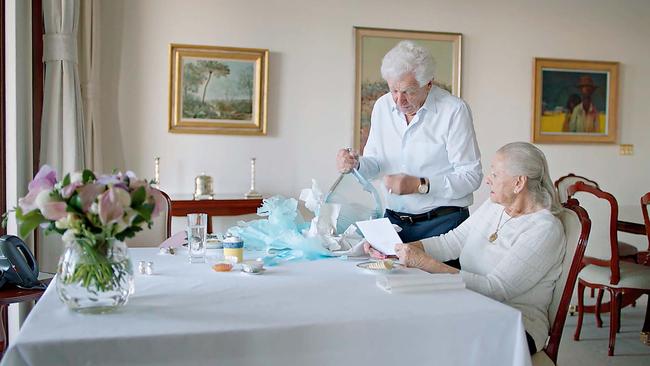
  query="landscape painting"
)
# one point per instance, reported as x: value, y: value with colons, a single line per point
x: 218, y: 90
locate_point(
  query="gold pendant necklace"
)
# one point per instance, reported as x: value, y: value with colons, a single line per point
x: 492, y: 238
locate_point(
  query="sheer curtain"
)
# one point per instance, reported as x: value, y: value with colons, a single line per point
x: 63, y: 135
x: 89, y: 75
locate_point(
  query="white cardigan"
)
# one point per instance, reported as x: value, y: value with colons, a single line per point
x: 519, y: 268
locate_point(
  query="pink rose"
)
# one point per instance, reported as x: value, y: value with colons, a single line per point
x: 110, y: 208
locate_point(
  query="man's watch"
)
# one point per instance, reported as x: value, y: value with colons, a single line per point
x: 423, y: 188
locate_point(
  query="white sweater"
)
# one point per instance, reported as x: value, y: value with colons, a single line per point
x: 519, y: 268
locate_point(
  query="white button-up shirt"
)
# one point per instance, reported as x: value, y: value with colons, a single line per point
x: 438, y: 144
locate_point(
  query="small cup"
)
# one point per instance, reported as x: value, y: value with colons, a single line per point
x: 233, y: 246
x: 252, y: 266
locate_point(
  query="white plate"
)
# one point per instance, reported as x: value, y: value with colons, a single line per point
x: 365, y: 265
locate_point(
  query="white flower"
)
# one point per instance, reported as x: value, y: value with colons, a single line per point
x: 63, y: 223
x: 43, y: 198
x: 68, y: 236
x: 76, y: 177
x: 94, y: 208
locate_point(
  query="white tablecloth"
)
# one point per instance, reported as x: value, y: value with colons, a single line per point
x: 326, y: 312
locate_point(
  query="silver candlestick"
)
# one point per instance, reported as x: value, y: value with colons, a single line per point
x: 252, y: 193
x: 156, y: 173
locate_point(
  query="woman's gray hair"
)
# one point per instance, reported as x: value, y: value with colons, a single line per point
x: 407, y: 57
x: 525, y: 159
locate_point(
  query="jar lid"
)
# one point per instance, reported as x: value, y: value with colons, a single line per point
x: 232, y: 239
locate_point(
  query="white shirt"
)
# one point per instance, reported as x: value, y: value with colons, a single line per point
x: 519, y: 268
x: 438, y: 144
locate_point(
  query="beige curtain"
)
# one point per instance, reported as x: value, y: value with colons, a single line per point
x: 63, y: 131
x: 89, y: 75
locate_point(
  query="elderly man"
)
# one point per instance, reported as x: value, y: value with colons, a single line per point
x: 422, y: 142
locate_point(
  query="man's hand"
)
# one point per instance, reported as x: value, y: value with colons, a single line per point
x: 347, y: 160
x: 401, y: 183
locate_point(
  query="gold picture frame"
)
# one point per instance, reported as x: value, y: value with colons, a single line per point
x: 371, y: 44
x: 574, y: 101
x: 217, y: 90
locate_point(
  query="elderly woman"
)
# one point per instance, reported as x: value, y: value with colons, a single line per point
x: 511, y: 248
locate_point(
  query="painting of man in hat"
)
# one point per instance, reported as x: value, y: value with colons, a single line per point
x: 574, y: 101
x: 585, y: 116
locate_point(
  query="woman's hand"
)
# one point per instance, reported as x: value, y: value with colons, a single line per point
x: 412, y: 256
x: 374, y: 253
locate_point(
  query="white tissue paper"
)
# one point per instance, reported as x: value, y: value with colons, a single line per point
x: 324, y: 224
x: 419, y: 281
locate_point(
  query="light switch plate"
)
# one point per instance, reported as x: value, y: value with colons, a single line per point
x: 626, y: 149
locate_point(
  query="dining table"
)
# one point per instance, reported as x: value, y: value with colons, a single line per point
x: 321, y: 312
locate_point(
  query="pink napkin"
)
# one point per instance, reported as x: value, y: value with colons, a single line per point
x: 174, y: 241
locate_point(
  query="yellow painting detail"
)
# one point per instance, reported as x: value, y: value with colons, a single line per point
x: 554, y: 122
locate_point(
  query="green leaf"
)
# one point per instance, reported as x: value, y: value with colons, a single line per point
x: 28, y: 222
x: 145, y: 211
x: 74, y: 205
x: 88, y: 176
x: 128, y: 233
x: 138, y: 197
x: 66, y: 180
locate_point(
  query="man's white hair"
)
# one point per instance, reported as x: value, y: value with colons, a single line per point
x: 408, y: 57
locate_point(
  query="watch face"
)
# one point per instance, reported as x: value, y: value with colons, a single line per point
x: 422, y: 188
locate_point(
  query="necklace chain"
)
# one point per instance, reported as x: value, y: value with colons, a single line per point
x: 492, y: 238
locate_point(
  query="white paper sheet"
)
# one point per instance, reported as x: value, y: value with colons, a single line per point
x: 381, y: 234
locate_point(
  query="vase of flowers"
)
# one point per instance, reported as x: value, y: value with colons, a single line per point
x: 94, y: 215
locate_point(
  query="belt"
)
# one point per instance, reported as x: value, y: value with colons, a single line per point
x: 413, y: 218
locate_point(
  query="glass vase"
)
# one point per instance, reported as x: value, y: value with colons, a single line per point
x: 95, y: 276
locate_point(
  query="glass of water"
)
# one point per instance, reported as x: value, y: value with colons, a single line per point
x: 197, y: 226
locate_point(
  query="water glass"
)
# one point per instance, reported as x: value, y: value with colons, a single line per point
x: 197, y: 226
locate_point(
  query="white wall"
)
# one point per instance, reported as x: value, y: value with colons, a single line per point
x: 311, y: 82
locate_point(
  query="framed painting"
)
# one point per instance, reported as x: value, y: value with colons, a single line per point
x: 217, y: 90
x: 574, y: 101
x: 373, y: 43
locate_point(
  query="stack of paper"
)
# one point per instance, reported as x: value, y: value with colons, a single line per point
x: 419, y: 282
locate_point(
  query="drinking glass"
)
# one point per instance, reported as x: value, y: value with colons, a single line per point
x: 197, y: 224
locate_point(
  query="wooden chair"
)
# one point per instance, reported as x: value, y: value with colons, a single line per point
x: 576, y: 227
x: 645, y: 201
x: 604, y: 271
x: 626, y: 251
x: 161, y: 229
x: 563, y: 183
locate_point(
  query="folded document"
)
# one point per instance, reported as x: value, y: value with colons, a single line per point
x: 419, y: 282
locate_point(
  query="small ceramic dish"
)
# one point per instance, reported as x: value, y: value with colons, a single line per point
x: 380, y: 266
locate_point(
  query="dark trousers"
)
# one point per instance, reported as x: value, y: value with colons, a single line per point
x: 425, y: 229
